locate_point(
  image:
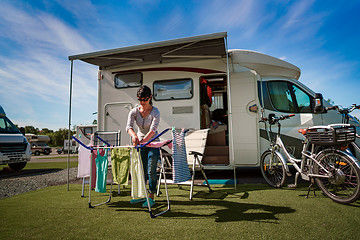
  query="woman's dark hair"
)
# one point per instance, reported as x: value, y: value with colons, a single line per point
x: 144, y: 92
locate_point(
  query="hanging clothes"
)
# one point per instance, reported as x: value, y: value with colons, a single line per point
x: 160, y: 144
x: 101, y: 170
x: 180, y: 170
x: 137, y: 178
x: 84, y: 156
x: 120, y: 162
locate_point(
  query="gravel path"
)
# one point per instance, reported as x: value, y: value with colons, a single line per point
x: 14, y: 184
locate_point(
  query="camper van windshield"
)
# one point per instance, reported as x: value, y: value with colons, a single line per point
x: 173, y: 89
x: 6, y: 126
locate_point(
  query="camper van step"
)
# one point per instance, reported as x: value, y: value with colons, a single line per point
x: 215, y: 160
x: 217, y: 151
x: 216, y: 139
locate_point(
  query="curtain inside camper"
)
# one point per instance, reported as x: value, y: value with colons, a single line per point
x: 281, y: 97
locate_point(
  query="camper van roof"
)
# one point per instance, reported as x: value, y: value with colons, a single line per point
x: 264, y: 64
x: 200, y: 47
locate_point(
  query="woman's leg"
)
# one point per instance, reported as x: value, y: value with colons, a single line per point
x: 153, y: 155
x: 144, y: 158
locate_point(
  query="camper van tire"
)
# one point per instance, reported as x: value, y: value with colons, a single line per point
x: 17, y: 166
x: 276, y: 175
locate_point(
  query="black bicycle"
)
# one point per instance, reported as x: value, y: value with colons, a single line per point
x: 354, y: 148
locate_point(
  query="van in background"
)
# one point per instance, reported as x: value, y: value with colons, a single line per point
x: 14, y: 148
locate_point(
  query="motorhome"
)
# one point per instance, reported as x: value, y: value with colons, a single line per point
x: 14, y: 148
x: 39, y: 144
x: 245, y: 85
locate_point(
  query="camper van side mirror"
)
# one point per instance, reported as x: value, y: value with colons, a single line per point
x: 318, y: 103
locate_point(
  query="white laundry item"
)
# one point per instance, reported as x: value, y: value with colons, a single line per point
x: 138, y: 189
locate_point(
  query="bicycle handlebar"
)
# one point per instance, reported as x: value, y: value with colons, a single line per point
x: 344, y: 110
x: 274, y: 119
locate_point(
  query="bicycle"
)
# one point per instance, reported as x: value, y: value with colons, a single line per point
x: 336, y: 172
x: 345, y: 112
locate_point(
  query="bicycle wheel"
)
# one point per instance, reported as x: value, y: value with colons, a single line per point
x: 343, y: 183
x: 274, y: 174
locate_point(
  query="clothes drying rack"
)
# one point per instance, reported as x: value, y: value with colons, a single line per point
x: 138, y: 147
x: 115, y: 137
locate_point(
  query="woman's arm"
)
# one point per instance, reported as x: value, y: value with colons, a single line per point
x: 134, y: 137
x: 129, y: 127
x: 148, y: 136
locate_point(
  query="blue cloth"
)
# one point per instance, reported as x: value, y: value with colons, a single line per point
x: 180, y: 171
x: 150, y: 157
x: 101, y: 171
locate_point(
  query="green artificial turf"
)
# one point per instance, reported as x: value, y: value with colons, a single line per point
x: 251, y: 212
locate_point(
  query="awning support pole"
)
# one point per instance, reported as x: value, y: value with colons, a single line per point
x: 69, y: 132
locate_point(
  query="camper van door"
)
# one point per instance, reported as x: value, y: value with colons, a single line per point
x: 116, y: 115
x: 244, y: 134
x: 286, y: 96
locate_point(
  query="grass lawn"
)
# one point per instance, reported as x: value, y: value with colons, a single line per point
x: 251, y: 212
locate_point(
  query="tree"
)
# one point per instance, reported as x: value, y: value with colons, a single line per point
x: 31, y: 129
x: 45, y: 131
x: 58, y: 137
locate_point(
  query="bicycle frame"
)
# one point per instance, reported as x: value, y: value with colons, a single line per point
x: 306, y: 161
x: 325, y: 163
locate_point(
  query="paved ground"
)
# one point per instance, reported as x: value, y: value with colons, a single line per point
x: 251, y: 175
x: 53, y: 157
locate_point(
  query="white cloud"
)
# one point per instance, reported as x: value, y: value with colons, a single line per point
x: 35, y: 72
x: 229, y: 15
x: 30, y: 29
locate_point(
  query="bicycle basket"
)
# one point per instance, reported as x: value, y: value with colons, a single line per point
x: 331, y: 135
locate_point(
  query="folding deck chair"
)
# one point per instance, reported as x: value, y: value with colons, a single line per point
x: 195, y: 142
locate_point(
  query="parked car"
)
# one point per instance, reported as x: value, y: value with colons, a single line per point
x: 38, y: 148
x: 62, y: 150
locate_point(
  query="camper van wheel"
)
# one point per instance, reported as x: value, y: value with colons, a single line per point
x: 37, y: 153
x: 17, y: 166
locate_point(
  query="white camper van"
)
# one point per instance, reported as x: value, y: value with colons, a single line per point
x: 14, y: 148
x: 242, y: 82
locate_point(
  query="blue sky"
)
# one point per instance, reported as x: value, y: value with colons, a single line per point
x: 36, y: 37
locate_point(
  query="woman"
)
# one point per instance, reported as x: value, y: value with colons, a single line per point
x: 147, y: 118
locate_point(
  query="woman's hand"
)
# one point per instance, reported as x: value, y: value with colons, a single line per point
x: 135, y: 140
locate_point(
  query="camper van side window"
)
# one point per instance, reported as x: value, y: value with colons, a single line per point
x: 302, y: 99
x: 128, y: 80
x: 173, y: 89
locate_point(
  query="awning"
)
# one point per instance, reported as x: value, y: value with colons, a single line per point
x: 199, y: 47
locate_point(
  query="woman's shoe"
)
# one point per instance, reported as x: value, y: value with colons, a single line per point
x: 145, y: 204
x: 137, y: 200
